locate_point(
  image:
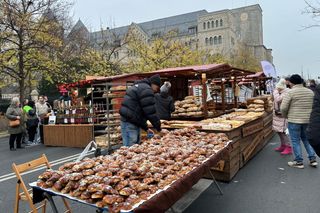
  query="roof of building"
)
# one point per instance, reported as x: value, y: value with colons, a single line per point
x: 179, y: 23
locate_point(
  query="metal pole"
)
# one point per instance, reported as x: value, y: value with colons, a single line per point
x: 51, y: 201
x: 215, y: 182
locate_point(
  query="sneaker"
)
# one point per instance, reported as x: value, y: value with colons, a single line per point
x: 296, y: 164
x: 314, y: 163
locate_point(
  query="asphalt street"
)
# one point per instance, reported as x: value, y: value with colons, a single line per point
x: 266, y: 184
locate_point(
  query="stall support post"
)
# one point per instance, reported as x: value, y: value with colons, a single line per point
x: 235, y: 98
x: 204, y: 94
x: 223, y: 103
x: 254, y: 92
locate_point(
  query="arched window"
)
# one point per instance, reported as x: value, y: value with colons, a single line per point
x: 212, y: 24
x: 217, y: 23
x: 207, y: 41
x: 211, y: 41
x: 208, y: 25
x: 204, y: 25
x: 215, y: 40
x: 220, y: 40
x: 221, y: 22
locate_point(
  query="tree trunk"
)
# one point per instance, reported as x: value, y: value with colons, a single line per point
x: 21, y: 89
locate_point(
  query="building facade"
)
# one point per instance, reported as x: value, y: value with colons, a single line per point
x: 220, y: 32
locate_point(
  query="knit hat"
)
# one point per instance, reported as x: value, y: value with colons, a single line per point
x: 296, y: 79
x: 165, y: 87
x: 155, y: 79
x: 281, y: 84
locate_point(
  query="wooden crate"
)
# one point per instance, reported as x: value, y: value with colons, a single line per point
x: 228, y: 166
x: 223, y: 175
x: 252, y: 127
x: 248, y: 146
x: 267, y: 119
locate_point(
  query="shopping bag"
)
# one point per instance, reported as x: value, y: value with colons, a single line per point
x: 14, y: 123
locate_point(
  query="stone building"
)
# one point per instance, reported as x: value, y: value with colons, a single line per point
x: 220, y: 32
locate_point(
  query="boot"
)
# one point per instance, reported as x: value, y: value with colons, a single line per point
x: 280, y: 148
x: 287, y: 150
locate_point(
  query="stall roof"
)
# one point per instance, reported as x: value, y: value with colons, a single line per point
x: 211, y: 70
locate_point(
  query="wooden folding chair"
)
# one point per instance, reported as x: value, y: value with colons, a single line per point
x: 26, y: 194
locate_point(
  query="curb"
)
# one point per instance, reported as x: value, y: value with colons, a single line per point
x: 4, y: 135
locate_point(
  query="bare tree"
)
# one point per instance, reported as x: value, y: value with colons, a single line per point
x: 312, y: 9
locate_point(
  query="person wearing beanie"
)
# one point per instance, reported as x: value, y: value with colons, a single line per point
x: 164, y: 102
x: 279, y: 123
x: 296, y: 106
x: 137, y: 108
x: 313, y: 131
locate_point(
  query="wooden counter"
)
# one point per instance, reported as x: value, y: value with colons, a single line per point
x: 78, y: 135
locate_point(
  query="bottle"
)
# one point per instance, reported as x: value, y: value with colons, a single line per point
x: 66, y: 113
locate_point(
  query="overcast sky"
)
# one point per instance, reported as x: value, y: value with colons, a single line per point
x: 294, y: 49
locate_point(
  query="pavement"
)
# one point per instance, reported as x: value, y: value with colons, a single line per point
x: 266, y: 184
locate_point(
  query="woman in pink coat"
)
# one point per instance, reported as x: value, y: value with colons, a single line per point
x: 280, y: 124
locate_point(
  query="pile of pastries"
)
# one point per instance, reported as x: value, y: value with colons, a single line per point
x: 190, y: 106
x: 257, y: 106
x: 242, y: 115
x: 133, y: 174
x: 221, y: 124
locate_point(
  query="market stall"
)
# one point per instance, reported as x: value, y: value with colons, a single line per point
x: 95, y: 101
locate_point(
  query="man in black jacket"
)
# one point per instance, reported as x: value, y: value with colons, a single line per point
x: 164, y: 102
x: 137, y: 107
x: 313, y: 131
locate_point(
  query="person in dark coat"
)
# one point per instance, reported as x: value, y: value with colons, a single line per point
x: 164, y: 102
x: 137, y: 107
x: 312, y: 85
x: 32, y: 122
x: 313, y: 131
x: 15, y: 112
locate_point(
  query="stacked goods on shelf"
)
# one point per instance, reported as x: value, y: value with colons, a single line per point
x: 261, y: 102
x: 269, y: 103
x: 257, y: 106
x: 115, y: 138
x: 189, y: 107
x: 107, y: 120
x: 77, y: 114
x: 132, y: 175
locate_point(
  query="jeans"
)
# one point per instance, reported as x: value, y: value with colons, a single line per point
x: 130, y: 133
x: 298, y: 132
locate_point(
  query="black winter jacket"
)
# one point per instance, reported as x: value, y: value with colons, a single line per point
x: 313, y: 131
x: 164, y: 105
x: 138, y: 106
